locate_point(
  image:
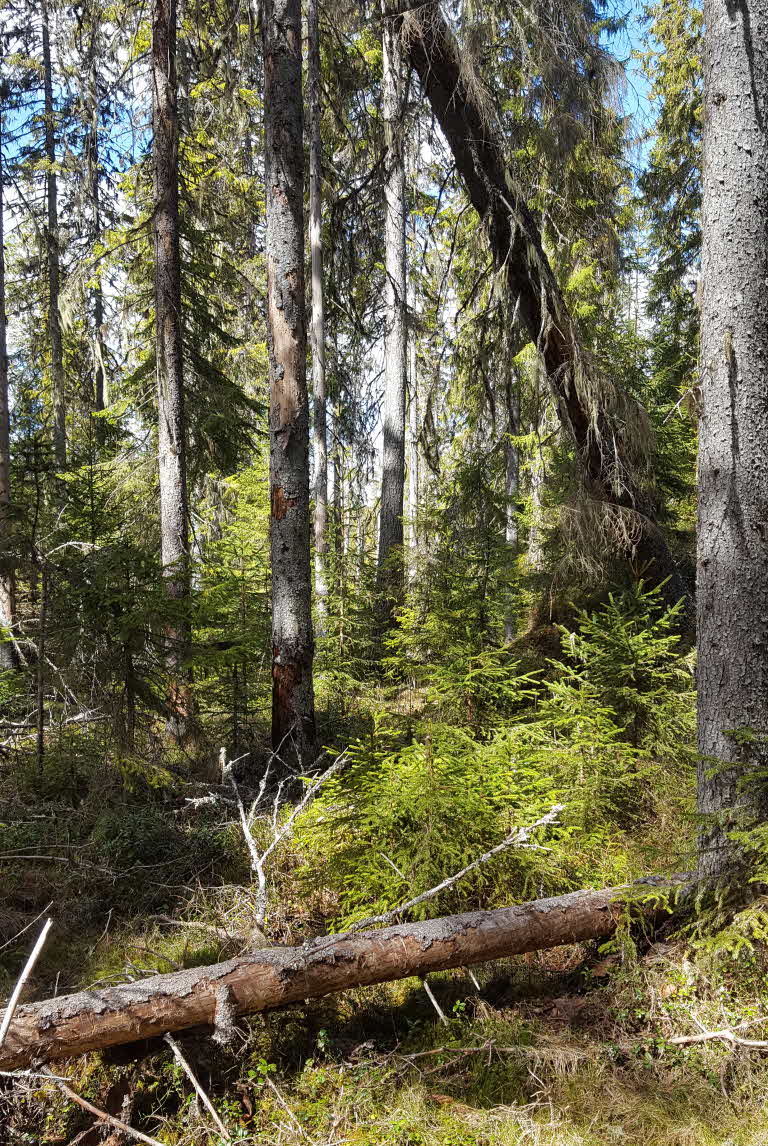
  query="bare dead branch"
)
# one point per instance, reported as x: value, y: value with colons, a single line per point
x: 181, y: 1060
x: 100, y: 1114
x: 27, y: 971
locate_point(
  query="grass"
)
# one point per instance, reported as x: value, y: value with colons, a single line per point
x: 562, y: 1048
x: 376, y: 1068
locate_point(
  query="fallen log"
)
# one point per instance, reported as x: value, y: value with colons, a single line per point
x: 273, y: 977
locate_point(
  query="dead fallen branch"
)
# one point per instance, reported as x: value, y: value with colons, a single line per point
x: 518, y: 838
x: 177, y: 1054
x: 274, y: 977
x: 101, y: 1114
x: 26, y: 972
x: 726, y: 1036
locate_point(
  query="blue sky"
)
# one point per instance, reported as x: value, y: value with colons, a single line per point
x: 635, y: 98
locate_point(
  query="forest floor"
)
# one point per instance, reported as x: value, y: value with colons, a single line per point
x: 569, y: 1047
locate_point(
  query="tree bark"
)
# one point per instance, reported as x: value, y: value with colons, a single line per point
x: 733, y: 431
x: 94, y: 178
x: 293, y: 712
x: 90, y: 1020
x: 52, y: 252
x: 319, y: 430
x: 469, y: 124
x: 174, y: 510
x: 390, y: 559
x: 413, y: 460
x: 536, y: 529
x: 8, y: 655
x: 511, y: 483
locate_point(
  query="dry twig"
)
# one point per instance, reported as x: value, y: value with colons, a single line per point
x: 100, y: 1114
x: 259, y: 858
x: 517, y: 839
x: 198, y: 1088
x: 726, y: 1035
x: 28, y: 968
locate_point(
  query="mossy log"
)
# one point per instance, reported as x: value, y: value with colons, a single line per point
x: 94, y: 1019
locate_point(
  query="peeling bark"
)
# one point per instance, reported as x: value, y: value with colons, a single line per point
x: 293, y: 713
x: 94, y: 1019
x: 469, y: 124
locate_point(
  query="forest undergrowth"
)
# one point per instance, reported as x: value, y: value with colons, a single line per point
x: 144, y: 868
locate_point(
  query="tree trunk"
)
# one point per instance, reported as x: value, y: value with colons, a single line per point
x: 73, y: 1024
x: 293, y: 712
x: 468, y: 123
x: 174, y: 536
x: 511, y: 485
x: 413, y: 460
x: 319, y: 431
x: 52, y: 252
x: 536, y: 530
x: 390, y: 559
x: 733, y: 430
x: 8, y: 655
x: 97, y: 294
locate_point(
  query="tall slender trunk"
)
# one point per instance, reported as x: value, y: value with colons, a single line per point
x: 42, y: 632
x: 174, y: 535
x: 511, y: 490
x: 293, y: 712
x: 97, y: 293
x: 732, y: 592
x: 8, y: 656
x: 413, y: 459
x: 53, y: 254
x: 390, y: 561
x: 537, y: 482
x: 319, y: 430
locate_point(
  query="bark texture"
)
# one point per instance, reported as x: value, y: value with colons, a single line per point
x: 511, y: 531
x: 413, y: 457
x: 52, y: 252
x: 293, y: 713
x: 8, y: 656
x: 174, y: 535
x: 94, y: 179
x: 390, y: 560
x: 319, y: 424
x: 90, y: 1020
x: 468, y: 121
x: 733, y: 427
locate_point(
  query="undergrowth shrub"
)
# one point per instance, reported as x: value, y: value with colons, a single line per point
x: 629, y: 653
x: 404, y: 815
x: 609, y: 736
